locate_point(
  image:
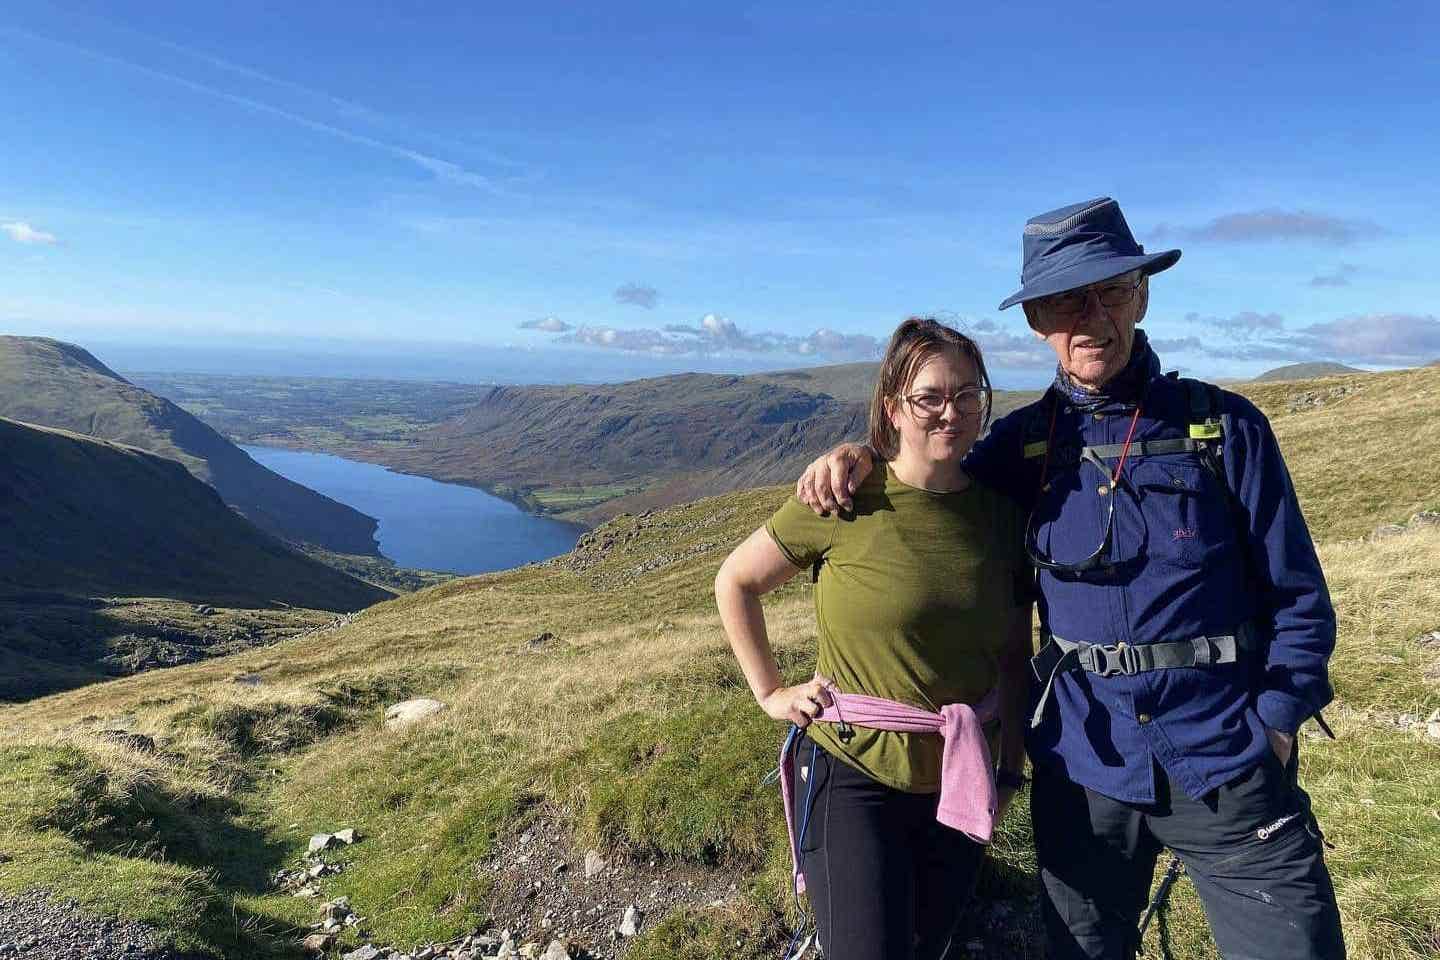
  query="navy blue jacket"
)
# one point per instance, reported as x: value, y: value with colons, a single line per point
x: 1185, y: 563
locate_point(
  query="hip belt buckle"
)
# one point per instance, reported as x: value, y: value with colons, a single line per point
x: 1122, y: 658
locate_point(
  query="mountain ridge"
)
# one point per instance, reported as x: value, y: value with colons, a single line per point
x: 84, y: 516
x: 57, y: 384
x: 584, y: 452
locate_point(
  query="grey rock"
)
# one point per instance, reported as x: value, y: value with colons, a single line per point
x: 557, y: 950
x: 542, y: 640
x: 411, y: 711
x: 318, y: 942
x: 594, y: 864
x: 347, y: 836
x: 630, y: 923
x: 367, y: 952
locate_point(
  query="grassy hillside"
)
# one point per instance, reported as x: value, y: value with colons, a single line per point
x: 585, y: 452
x: 87, y: 518
x: 57, y: 384
x: 630, y: 731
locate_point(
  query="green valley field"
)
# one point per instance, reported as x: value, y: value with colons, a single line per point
x: 593, y: 704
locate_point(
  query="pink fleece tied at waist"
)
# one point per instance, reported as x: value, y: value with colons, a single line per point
x: 967, y: 775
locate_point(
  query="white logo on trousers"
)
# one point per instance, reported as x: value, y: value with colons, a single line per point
x: 1268, y: 831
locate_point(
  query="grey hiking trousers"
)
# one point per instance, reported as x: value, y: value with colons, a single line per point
x: 1251, y: 848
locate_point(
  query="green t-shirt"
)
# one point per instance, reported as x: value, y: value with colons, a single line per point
x: 914, y: 598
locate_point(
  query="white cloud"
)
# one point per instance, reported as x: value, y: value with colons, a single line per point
x: 547, y: 325
x: 1260, y: 226
x: 22, y: 232
x: 716, y: 334
x: 638, y: 294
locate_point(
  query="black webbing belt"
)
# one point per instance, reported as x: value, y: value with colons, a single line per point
x: 1122, y: 658
x: 1147, y: 448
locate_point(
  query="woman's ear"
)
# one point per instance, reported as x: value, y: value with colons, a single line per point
x: 892, y: 413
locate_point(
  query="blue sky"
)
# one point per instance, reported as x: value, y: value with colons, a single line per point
x: 683, y: 186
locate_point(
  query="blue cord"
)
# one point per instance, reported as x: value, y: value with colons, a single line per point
x: 791, y: 745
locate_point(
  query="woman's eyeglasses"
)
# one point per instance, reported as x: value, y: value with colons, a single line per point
x: 969, y: 402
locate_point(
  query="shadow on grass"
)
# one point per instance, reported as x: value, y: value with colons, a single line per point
x: 50, y: 643
x: 143, y: 820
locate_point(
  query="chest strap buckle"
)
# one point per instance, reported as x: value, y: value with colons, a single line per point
x: 1123, y: 659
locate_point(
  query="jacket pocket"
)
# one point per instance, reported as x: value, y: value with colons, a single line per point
x: 1185, y: 512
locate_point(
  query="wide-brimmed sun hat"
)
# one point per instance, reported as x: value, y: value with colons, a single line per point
x: 1081, y: 244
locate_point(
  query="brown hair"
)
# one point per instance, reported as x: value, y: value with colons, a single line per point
x: 913, y: 342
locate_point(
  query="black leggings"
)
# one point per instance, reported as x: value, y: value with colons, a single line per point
x: 886, y: 881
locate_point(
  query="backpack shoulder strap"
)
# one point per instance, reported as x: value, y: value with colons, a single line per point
x: 1208, y: 424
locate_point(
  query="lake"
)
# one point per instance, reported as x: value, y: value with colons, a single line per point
x: 424, y: 523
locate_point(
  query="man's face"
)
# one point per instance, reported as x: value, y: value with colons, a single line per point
x: 1091, y: 340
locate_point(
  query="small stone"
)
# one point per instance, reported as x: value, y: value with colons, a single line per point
x: 366, y: 952
x: 321, y: 841
x: 1432, y: 726
x: 541, y: 640
x: 336, y: 909
x: 594, y: 864
x: 318, y: 942
x: 630, y: 923
x: 347, y: 836
x: 411, y: 711
x: 425, y: 953
x: 558, y: 950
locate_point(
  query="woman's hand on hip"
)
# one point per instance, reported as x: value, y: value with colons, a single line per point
x: 799, y: 704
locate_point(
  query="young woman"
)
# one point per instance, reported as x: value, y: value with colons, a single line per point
x: 923, y: 637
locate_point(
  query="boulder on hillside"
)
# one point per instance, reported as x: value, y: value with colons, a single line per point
x: 411, y: 711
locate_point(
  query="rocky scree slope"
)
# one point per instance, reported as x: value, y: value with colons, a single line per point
x: 55, y: 384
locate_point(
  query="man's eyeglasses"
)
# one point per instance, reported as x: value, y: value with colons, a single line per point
x: 1099, y: 556
x: 1111, y: 294
x: 969, y: 402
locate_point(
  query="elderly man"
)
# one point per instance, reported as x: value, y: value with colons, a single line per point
x: 1185, y: 622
